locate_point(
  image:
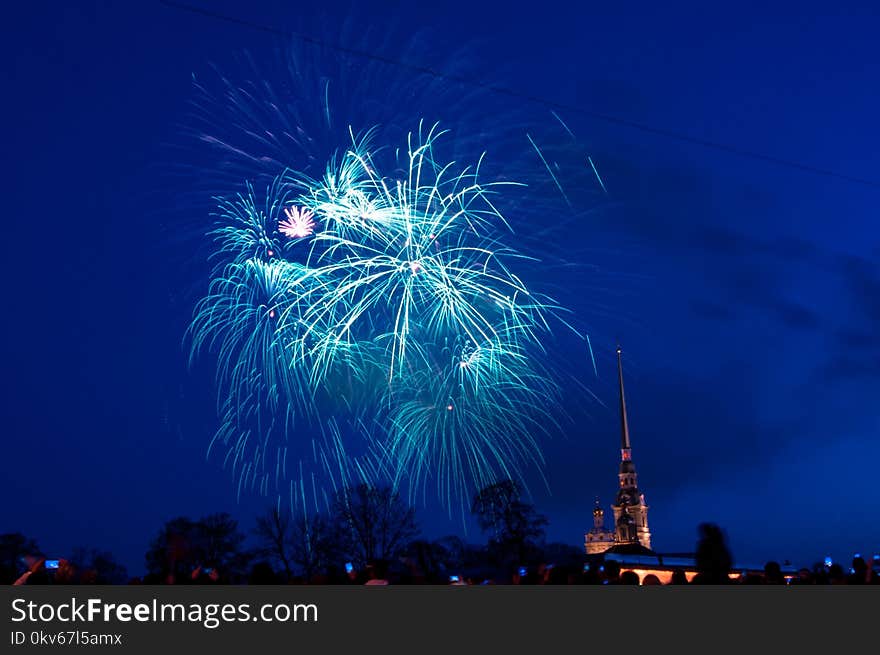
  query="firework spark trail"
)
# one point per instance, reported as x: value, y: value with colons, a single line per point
x: 598, y: 177
x: 549, y: 170
x: 592, y: 356
x: 562, y: 122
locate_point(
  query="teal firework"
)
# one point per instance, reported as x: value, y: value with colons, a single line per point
x: 377, y: 303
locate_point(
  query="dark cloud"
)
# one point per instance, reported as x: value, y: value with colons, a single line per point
x: 752, y: 290
x: 724, y: 241
x: 710, y: 310
x: 854, y: 339
x: 663, y: 206
x: 861, y: 279
x: 854, y: 353
x: 846, y: 366
x: 794, y: 315
x: 729, y: 274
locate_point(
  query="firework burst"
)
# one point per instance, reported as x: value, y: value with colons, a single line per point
x: 375, y: 301
x: 299, y: 223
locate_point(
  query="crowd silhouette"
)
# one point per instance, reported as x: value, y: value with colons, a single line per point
x: 40, y: 571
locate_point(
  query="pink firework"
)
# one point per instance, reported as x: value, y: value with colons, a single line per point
x: 299, y: 223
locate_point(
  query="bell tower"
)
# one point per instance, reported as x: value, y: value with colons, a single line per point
x: 598, y: 539
x: 630, y: 509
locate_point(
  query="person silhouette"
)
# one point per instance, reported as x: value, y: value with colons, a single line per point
x: 714, y: 560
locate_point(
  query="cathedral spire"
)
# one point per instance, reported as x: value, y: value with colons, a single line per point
x: 630, y: 509
x: 624, y: 425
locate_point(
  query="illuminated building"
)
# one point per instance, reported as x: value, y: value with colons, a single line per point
x: 630, y: 509
x: 598, y: 539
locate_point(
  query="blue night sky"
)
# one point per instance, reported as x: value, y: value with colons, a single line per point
x: 746, y: 294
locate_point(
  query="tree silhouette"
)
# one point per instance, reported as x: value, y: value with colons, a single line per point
x: 515, y: 526
x: 184, y: 547
x: 172, y: 552
x: 222, y: 545
x: 431, y: 559
x: 97, y: 567
x: 274, y: 534
x: 372, y: 524
x: 316, y: 547
x: 302, y: 544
